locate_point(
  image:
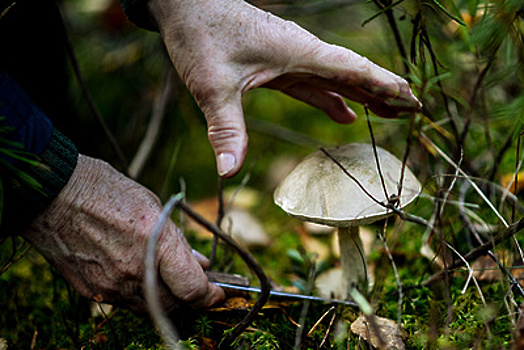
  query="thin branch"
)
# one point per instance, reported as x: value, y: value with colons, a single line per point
x: 155, y: 123
x: 477, y: 252
x: 265, y: 284
x: 91, y: 103
x: 165, y: 327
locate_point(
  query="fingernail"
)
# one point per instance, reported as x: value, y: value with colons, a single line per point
x: 225, y: 163
x: 201, y: 258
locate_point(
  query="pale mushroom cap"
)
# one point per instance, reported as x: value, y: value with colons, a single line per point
x: 317, y: 190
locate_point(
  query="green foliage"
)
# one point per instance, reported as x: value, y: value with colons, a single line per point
x: 465, y: 62
x: 15, y: 151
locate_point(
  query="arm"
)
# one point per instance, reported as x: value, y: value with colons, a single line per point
x: 224, y: 48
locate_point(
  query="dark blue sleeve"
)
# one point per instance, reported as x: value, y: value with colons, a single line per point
x: 29, y: 126
x: 53, y: 158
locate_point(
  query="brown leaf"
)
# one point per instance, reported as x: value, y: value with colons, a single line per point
x: 380, y: 332
x: 508, y: 181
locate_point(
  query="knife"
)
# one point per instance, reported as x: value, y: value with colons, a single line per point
x: 242, y: 283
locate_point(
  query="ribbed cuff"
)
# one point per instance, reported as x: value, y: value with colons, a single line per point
x: 55, y: 167
x: 136, y: 11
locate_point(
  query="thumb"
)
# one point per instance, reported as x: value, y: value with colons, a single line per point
x: 227, y: 135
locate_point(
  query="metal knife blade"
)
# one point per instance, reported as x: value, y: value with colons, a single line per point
x: 286, y: 294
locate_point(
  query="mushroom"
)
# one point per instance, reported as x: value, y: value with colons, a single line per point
x: 318, y: 190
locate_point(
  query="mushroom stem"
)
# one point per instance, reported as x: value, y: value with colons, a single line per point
x: 352, y: 259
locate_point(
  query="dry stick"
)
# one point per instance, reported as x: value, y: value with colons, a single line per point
x: 397, y: 278
x: 13, y: 258
x: 91, y: 103
x: 223, y: 209
x: 351, y: 177
x: 305, y: 306
x: 471, y: 102
x: 396, y: 33
x: 153, y: 128
x: 477, y: 252
x: 473, y: 184
x: 375, y: 154
x: 513, y: 281
x: 218, y: 222
x: 164, y: 325
x: 265, y: 284
x: 329, y: 328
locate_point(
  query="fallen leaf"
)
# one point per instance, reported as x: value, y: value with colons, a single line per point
x: 241, y: 224
x: 328, y: 284
x: 312, y: 244
x: 206, y: 343
x: 380, y: 332
x: 508, y: 181
x: 246, y: 228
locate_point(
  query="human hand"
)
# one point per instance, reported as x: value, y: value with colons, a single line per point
x: 222, y: 49
x: 95, y: 233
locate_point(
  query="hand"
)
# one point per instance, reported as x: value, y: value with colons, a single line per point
x: 95, y: 233
x: 222, y: 49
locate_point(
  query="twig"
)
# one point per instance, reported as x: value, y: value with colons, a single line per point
x: 477, y: 252
x: 265, y: 284
x: 307, y: 303
x: 375, y: 154
x: 91, y: 103
x: 218, y: 222
x: 474, y: 185
x: 164, y: 325
x: 153, y: 128
x: 13, y: 258
x: 397, y: 278
x: 320, y: 320
x: 351, y: 177
x: 327, y: 331
x: 470, y: 274
x: 396, y: 33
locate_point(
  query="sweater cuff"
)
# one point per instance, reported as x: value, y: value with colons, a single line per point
x: 54, y: 169
x: 136, y: 11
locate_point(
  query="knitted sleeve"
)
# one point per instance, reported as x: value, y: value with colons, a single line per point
x: 137, y: 13
x: 27, y: 133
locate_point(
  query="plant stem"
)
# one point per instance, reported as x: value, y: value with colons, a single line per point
x: 353, y: 260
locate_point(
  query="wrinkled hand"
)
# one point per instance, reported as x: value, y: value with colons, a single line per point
x: 95, y: 233
x: 222, y: 49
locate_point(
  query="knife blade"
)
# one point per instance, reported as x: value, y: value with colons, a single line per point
x: 286, y: 294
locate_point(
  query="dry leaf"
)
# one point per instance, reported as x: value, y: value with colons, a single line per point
x: 206, y: 343
x: 508, y: 181
x: 380, y: 332
x: 329, y: 285
x: 312, y: 244
x: 242, y: 225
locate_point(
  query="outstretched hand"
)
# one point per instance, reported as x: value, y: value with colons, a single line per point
x: 95, y: 234
x: 222, y: 49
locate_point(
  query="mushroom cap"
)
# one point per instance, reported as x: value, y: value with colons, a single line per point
x: 318, y: 190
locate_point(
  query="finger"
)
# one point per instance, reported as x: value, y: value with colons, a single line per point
x: 183, y: 274
x: 353, y: 76
x: 227, y: 135
x: 384, y: 107
x: 201, y: 258
x: 331, y: 103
